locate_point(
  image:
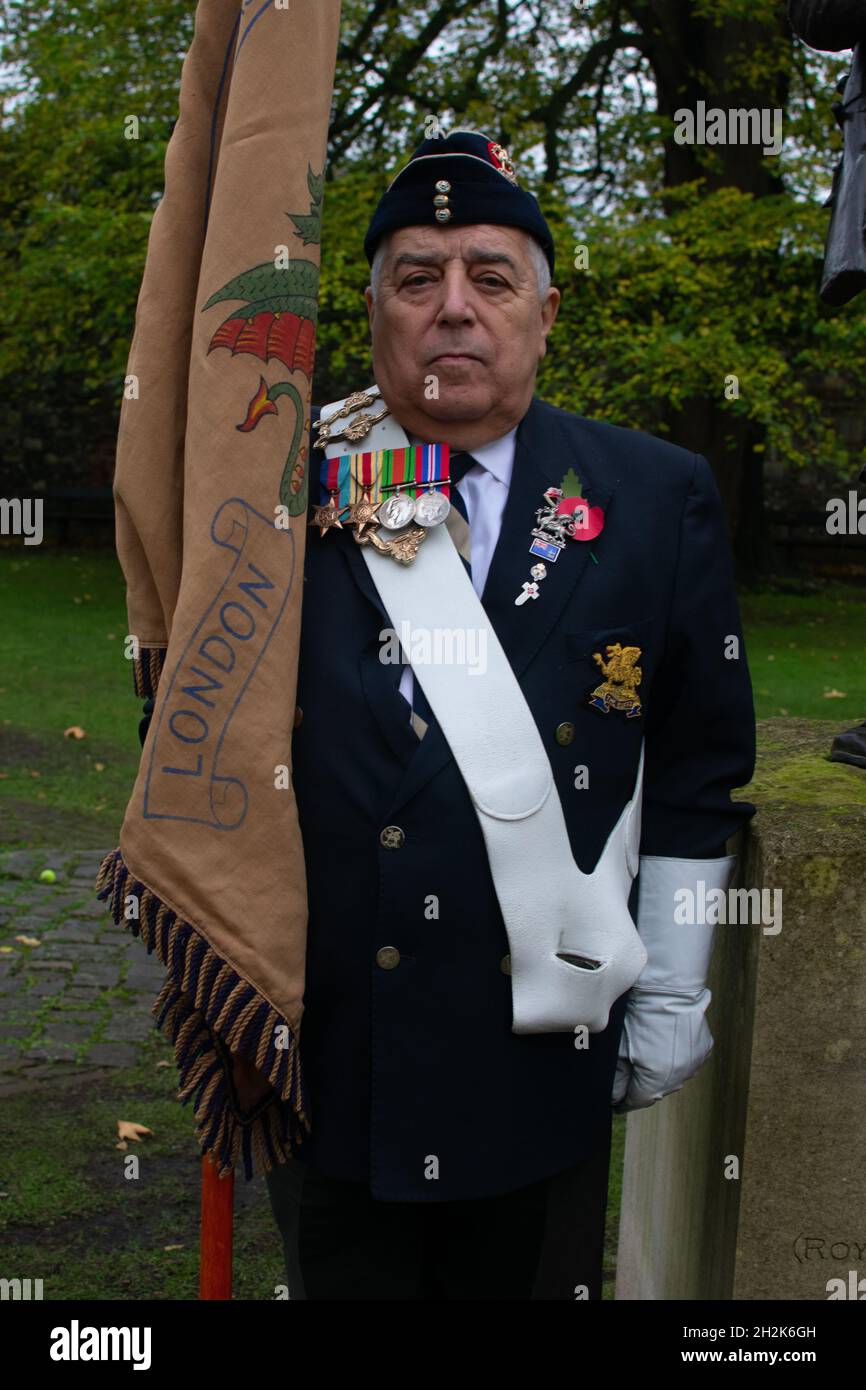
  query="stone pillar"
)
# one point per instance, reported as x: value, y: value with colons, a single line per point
x: 785, y: 1087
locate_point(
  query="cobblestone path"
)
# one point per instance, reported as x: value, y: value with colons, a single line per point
x: 80, y: 1000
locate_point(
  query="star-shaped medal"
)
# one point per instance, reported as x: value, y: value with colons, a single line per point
x: 362, y: 514
x: 327, y: 517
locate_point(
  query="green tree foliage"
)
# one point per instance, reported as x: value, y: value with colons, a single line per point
x: 676, y: 302
x: 76, y: 201
x: 703, y: 262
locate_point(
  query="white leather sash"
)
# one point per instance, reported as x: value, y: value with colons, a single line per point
x: 574, y: 947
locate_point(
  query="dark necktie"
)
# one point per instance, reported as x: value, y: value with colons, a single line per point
x: 458, y: 522
x: 458, y: 526
x: 459, y: 466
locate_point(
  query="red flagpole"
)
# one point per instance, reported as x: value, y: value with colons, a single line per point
x: 217, y: 1211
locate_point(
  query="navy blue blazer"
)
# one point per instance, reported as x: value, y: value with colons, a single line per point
x: 416, y: 1083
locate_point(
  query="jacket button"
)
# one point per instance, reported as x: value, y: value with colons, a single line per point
x: 299, y: 714
x: 505, y: 965
x: 387, y: 957
x: 564, y: 734
x: 392, y: 837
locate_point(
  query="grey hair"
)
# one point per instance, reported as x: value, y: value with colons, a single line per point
x: 537, y: 256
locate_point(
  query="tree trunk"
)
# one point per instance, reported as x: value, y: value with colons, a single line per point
x: 696, y: 58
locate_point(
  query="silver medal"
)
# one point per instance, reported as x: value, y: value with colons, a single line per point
x: 397, y: 511
x: 431, y: 508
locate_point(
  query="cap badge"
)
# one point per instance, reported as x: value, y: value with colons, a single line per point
x: 501, y: 160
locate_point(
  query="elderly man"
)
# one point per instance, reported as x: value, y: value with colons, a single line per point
x: 467, y: 1032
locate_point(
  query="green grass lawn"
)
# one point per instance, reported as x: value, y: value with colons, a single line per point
x: 803, y: 648
x: 62, y: 665
x: 72, y: 1217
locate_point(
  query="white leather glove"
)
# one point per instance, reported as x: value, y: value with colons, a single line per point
x: 665, y: 1037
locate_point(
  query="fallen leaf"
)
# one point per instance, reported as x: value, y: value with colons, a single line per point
x: 835, y: 695
x: 7, y: 950
x: 128, y: 1129
x: 29, y: 940
x: 163, y: 1064
x: 74, y: 731
x: 100, y: 767
x: 771, y: 657
x: 122, y: 1145
x: 172, y: 1247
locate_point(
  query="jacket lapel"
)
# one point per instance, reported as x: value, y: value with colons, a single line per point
x: 543, y: 455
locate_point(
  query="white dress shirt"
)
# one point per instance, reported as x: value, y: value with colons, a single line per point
x: 484, y: 489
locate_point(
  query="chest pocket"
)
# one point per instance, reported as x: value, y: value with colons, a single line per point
x: 605, y: 685
x: 621, y: 659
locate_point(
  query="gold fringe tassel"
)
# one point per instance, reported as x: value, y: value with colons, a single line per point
x: 147, y: 669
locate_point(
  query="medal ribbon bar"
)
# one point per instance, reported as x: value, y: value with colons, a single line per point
x: 348, y: 477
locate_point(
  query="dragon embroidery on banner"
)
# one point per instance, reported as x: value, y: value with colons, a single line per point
x: 278, y: 319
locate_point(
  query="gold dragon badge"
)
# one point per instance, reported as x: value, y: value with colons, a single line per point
x: 622, y: 676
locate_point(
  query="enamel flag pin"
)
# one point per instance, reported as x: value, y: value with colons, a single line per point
x: 565, y: 515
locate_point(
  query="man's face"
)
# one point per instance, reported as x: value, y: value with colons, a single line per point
x: 458, y: 330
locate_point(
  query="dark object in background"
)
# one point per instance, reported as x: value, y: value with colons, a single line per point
x: 850, y: 747
x: 833, y: 25
x: 828, y: 24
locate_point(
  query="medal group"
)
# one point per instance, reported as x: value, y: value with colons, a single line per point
x: 392, y: 497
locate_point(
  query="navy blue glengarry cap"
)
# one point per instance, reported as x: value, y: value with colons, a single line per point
x: 454, y: 181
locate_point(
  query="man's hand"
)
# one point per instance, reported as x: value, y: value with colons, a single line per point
x: 665, y: 1040
x: 251, y: 1087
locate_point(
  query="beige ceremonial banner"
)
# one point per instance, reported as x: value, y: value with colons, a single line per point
x: 211, y: 489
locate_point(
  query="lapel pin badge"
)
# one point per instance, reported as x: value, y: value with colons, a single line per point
x: 564, y: 515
